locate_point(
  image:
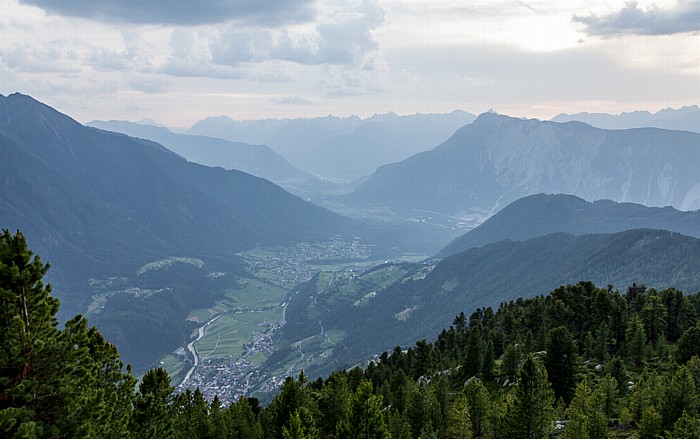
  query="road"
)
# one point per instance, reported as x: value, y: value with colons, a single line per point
x: 190, y: 347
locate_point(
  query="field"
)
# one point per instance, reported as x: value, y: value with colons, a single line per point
x: 228, y: 334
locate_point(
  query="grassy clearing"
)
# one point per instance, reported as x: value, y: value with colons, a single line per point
x: 246, y: 293
x: 228, y: 334
x: 98, y: 301
x: 253, y: 293
x: 385, y: 276
x: 175, y: 367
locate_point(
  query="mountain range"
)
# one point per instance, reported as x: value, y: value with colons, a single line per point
x: 497, y: 159
x: 682, y: 119
x: 258, y: 160
x: 103, y: 204
x: 541, y: 214
x: 340, y: 149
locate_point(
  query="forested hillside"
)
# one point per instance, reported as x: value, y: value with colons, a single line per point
x: 423, y: 302
x: 542, y: 214
x: 580, y: 362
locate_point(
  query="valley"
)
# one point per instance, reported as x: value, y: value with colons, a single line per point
x: 229, y: 350
x: 323, y: 219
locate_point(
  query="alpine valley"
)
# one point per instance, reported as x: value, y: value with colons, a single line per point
x: 183, y: 250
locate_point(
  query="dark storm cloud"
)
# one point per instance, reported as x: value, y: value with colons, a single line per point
x: 183, y: 12
x: 632, y: 20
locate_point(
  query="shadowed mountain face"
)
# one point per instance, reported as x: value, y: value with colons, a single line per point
x: 412, y: 309
x: 682, y: 119
x: 540, y: 214
x: 497, y: 159
x: 103, y: 204
x: 340, y: 149
x: 258, y: 160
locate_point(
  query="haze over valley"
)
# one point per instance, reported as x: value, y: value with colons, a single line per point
x: 296, y: 219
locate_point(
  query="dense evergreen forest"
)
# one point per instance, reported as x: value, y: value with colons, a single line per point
x: 580, y: 362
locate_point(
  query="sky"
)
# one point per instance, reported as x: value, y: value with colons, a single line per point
x: 178, y: 61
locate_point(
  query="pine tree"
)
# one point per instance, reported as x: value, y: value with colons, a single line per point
x: 458, y: 422
x: 688, y: 345
x: 680, y: 396
x: 365, y: 419
x: 244, y: 423
x: 474, y: 356
x: 685, y: 427
x: 601, y: 342
x: 479, y: 403
x: 511, y: 360
x: 153, y: 415
x: 654, y: 318
x: 29, y: 343
x: 292, y: 398
x: 53, y: 383
x: 294, y: 430
x: 560, y: 362
x: 334, y: 403
x: 488, y: 361
x: 586, y: 414
x: 635, y: 341
x: 531, y: 413
x: 650, y: 424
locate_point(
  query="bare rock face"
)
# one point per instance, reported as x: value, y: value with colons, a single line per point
x: 497, y: 159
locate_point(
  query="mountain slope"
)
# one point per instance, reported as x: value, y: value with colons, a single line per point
x: 107, y: 203
x: 498, y: 159
x: 418, y: 306
x: 683, y: 119
x: 258, y: 160
x: 538, y: 215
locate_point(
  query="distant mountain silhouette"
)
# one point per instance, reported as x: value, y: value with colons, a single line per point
x: 538, y: 215
x: 682, y: 119
x: 498, y: 159
x: 258, y: 160
x: 340, y: 149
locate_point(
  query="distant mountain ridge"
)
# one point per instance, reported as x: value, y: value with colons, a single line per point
x: 683, y: 119
x: 540, y: 214
x: 258, y: 160
x: 498, y: 159
x: 340, y: 149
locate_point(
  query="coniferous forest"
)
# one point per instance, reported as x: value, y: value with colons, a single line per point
x: 584, y: 361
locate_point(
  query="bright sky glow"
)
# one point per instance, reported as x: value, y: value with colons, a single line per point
x: 305, y: 58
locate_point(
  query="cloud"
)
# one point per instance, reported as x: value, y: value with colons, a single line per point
x: 150, y: 86
x: 292, y: 100
x: 632, y: 20
x: 183, y: 12
x: 52, y: 58
x: 344, y: 39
